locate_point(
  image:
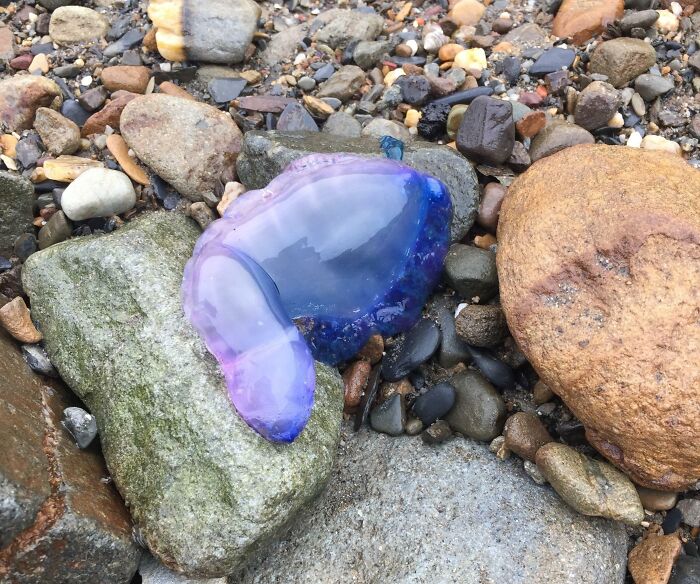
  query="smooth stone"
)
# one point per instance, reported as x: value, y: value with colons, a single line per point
x: 416, y: 347
x: 471, y: 272
x: 591, y: 487
x: 132, y: 78
x: 525, y: 434
x: 596, y: 105
x: 496, y: 371
x: 295, y: 118
x: 342, y: 26
x: 16, y: 209
x: 652, y: 86
x: 654, y: 500
x: 25, y: 245
x: 72, y: 110
x: 109, y: 115
x: 216, y: 31
x: 324, y: 72
x: 487, y: 131
x: 67, y: 71
x: 38, y: 360
x: 436, y: 433
x: 490, y: 205
x: 59, y: 134
x: 225, y: 89
x: 81, y: 425
x: 306, y: 83
x: 128, y: 40
x: 389, y: 417
x: 342, y: 125
x: 21, y: 96
x: 581, y: 20
x: 265, y: 154
x: 379, y: 127
x: 672, y: 521
x: 87, y: 536
x: 481, y: 325
x: 690, y: 509
x: 57, y: 229
x: 154, y: 127
x: 184, y: 448
x: 452, y: 350
x: 460, y: 480
x: 434, y: 403
x: 641, y: 19
x: 75, y: 24
x: 622, y: 60
x: 343, y: 84
x: 558, y: 135
x: 479, y: 411
x: 93, y: 99
x: 98, y: 192
x: 554, y: 59
x: 554, y: 268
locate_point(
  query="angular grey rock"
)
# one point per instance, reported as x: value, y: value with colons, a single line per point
x: 343, y: 26
x: 16, y: 210
x: 368, y: 53
x: 264, y: 155
x: 342, y: 125
x: 652, y: 86
x: 283, y: 44
x: 204, y: 489
x: 596, y: 104
x: 379, y: 127
x: 400, y: 511
x: 344, y: 83
x: 81, y: 425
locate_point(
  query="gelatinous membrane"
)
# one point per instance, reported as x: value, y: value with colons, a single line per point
x: 343, y: 247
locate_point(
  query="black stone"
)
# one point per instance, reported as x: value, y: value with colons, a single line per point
x: 368, y: 397
x: 553, y: 60
x: 691, y: 548
x: 686, y: 571
x: 497, y: 372
x: 296, y: 118
x: 572, y: 432
x: 225, y: 89
x: 487, y: 131
x: 417, y: 346
x: 434, y: 403
x: 415, y: 89
x: 511, y: 69
x: 433, y: 121
x: 466, y: 96
x: 672, y: 521
x: 48, y: 186
x: 38, y: 360
x: 349, y: 51
x: 72, y: 109
x: 452, y: 349
x: 25, y: 245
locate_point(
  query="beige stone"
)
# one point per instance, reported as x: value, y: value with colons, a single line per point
x: 120, y: 150
x: 16, y: 320
x: 581, y: 20
x: 651, y: 561
x: 467, y: 12
x: 599, y: 267
x: 68, y: 168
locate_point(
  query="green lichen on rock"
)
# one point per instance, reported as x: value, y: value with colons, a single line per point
x: 205, y: 490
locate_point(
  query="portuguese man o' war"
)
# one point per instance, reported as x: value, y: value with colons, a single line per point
x: 335, y: 249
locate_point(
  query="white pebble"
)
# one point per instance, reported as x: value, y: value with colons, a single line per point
x: 98, y: 192
x: 617, y: 121
x: 660, y: 143
x: 413, y: 45
x: 667, y: 22
x: 635, y: 140
x: 86, y: 81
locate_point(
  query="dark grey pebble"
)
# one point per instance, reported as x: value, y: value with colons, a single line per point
x: 437, y: 433
x: 25, y: 245
x: 368, y: 397
x: 93, y: 99
x: 552, y: 60
x: 415, y: 89
x: 497, y: 372
x: 38, y: 360
x: 81, y: 425
x: 487, y: 131
x: 417, y: 346
x: 686, y: 571
x: 225, y: 89
x: 434, y: 403
x: 389, y: 417
x: 452, y: 349
x: 296, y: 118
x: 466, y: 96
x: 75, y: 112
x: 672, y: 521
x: 126, y: 42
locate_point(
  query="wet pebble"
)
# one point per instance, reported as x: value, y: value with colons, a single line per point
x: 525, y: 434
x: 355, y: 379
x: 479, y: 411
x: 686, y: 571
x: 651, y: 561
x: 38, y: 360
x: 434, y: 403
x: 295, y: 118
x: 552, y: 60
x: 652, y: 86
x: 389, y: 417
x: 690, y: 509
x: 81, y: 425
x: 596, y: 104
x: 438, y: 432
x: 417, y: 346
x: 654, y: 500
x: 481, y: 325
x: 98, y: 192
x: 471, y: 272
x: 487, y: 131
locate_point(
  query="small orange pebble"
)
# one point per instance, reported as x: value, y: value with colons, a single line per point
x: 8, y: 143
x: 452, y: 145
x: 38, y: 222
x: 404, y: 12
x: 169, y: 88
x: 119, y: 149
x: 485, y: 241
x: 503, y: 47
x: 541, y: 90
x: 446, y: 66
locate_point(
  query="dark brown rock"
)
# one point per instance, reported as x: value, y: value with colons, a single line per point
x: 525, y: 435
x: 21, y: 96
x: 599, y: 269
x: 355, y: 380
x: 487, y: 131
x: 109, y: 115
x: 61, y: 521
x: 490, y: 206
x: 481, y: 325
x: 133, y: 78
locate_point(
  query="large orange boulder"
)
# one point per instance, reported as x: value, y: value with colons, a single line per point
x: 599, y: 269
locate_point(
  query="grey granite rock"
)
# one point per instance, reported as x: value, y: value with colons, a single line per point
x: 399, y: 511
x: 204, y: 489
x: 265, y: 154
x: 16, y: 210
x: 342, y: 26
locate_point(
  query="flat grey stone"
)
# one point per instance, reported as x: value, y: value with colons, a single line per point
x: 264, y: 155
x: 399, y: 511
x: 16, y: 209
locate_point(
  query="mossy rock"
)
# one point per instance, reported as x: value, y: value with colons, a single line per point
x: 204, y: 489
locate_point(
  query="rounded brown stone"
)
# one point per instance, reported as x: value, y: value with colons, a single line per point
x: 525, y: 435
x: 599, y: 266
x: 355, y: 379
x: 651, y: 561
x: 132, y: 78
x: 490, y: 206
